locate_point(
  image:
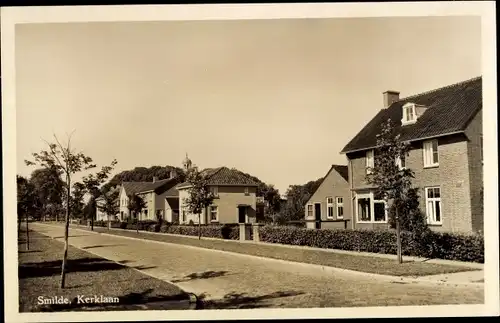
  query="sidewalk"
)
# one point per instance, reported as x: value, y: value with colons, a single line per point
x: 362, y: 264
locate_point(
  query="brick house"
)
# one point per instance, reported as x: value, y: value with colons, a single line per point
x: 329, y: 207
x: 235, y: 200
x: 444, y: 128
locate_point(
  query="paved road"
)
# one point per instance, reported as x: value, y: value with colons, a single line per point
x: 232, y: 281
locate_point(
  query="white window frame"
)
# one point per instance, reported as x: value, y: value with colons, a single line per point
x: 433, y: 200
x: 409, y: 107
x: 309, y: 216
x: 370, y: 160
x: 428, y: 153
x: 371, y: 197
x: 329, y: 205
x: 215, y: 191
x: 400, y: 161
x: 247, y: 190
x: 340, y: 205
x: 216, y: 213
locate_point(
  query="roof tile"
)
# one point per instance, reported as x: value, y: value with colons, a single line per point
x: 449, y: 110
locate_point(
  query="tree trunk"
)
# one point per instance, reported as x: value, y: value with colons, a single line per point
x: 199, y: 226
x: 27, y: 234
x: 66, y: 232
x: 398, y: 238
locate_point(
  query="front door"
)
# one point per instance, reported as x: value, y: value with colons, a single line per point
x: 317, y: 212
x: 242, y: 212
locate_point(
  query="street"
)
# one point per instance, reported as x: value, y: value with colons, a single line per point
x: 231, y: 281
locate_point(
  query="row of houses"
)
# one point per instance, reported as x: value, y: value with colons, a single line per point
x: 235, y: 198
x: 444, y: 128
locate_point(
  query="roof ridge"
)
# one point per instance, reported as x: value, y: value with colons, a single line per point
x: 441, y: 88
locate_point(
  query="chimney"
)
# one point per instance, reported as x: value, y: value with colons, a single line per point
x: 154, y: 179
x: 390, y: 97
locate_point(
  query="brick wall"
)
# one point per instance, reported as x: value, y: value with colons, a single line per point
x: 452, y: 176
x: 473, y: 133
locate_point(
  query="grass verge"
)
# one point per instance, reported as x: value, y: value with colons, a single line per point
x: 121, y: 287
x: 375, y: 265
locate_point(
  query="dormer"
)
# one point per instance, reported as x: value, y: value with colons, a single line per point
x: 411, y: 112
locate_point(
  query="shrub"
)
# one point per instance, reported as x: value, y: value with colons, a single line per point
x: 431, y: 244
x: 123, y: 225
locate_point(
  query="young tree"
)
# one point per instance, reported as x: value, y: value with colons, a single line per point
x: 393, y: 183
x: 111, y: 205
x: 27, y: 204
x: 93, y: 182
x: 135, y: 206
x: 200, y: 197
x: 69, y: 162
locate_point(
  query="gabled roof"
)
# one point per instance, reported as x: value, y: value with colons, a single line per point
x: 158, y: 187
x: 449, y: 110
x: 224, y: 176
x: 341, y: 169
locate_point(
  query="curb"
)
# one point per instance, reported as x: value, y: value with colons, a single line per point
x: 395, y: 279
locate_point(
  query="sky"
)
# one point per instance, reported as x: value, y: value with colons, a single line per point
x: 278, y: 99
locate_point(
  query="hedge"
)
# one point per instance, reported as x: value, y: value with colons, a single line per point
x: 225, y: 231
x: 433, y: 245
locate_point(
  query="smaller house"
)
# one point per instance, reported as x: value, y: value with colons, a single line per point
x: 329, y: 206
x: 153, y: 193
x: 235, y: 198
x: 100, y: 215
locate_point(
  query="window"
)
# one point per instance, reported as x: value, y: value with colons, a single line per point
x: 340, y: 207
x: 409, y: 115
x: 369, y: 161
x: 214, y: 190
x: 370, y: 208
x: 146, y: 213
x: 329, y: 207
x: 431, y: 156
x: 247, y: 191
x: 401, y: 162
x: 309, y: 211
x: 214, y: 215
x: 364, y: 209
x: 433, y: 205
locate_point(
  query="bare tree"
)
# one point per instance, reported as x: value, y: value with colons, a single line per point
x: 64, y: 158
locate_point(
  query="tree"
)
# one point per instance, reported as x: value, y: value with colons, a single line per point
x: 27, y: 204
x: 76, y: 200
x: 135, y: 206
x: 90, y: 208
x: 92, y: 184
x: 49, y: 188
x: 393, y: 183
x: 143, y: 174
x: 200, y: 197
x: 69, y: 162
x: 110, y: 205
x: 296, y: 199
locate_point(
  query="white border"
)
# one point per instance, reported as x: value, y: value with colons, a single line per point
x: 11, y: 16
